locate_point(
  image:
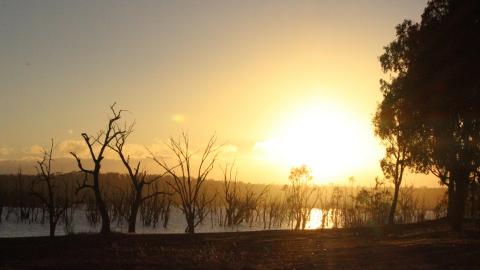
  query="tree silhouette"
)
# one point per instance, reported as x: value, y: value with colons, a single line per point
x: 231, y: 194
x: 239, y: 204
x: 138, y: 178
x: 97, y: 145
x: 187, y: 181
x: 397, y: 143
x: 49, y: 195
x: 436, y: 87
x: 300, y: 195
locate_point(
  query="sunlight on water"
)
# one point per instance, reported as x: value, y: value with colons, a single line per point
x: 315, y: 221
x: 316, y: 218
x: 10, y: 227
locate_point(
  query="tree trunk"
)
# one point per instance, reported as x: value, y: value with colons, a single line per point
x: 132, y: 220
x: 105, y: 218
x: 391, y: 216
x: 51, y: 221
x: 304, y: 220
x: 166, y: 215
x: 297, y: 221
x: 473, y: 192
x: 102, y: 208
x: 229, y: 219
x: 451, y: 198
x: 190, y: 223
x: 460, y: 196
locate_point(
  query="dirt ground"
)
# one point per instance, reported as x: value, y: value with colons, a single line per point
x: 428, y: 245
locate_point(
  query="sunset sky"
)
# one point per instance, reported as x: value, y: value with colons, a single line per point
x: 280, y: 82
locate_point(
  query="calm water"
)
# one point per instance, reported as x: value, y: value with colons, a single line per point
x: 176, y: 224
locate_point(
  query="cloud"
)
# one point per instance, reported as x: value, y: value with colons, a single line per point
x: 81, y: 150
x: 229, y: 149
x: 31, y: 153
x: 178, y: 118
x: 273, y: 149
x: 35, y: 150
x: 5, y: 151
x: 266, y: 146
x: 76, y: 146
x: 136, y: 151
x: 158, y: 149
x: 63, y: 149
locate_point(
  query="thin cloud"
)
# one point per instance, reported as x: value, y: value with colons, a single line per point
x: 5, y: 151
x: 178, y: 118
x: 34, y: 150
x: 76, y: 146
x: 229, y: 149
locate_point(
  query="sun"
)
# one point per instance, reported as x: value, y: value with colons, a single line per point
x: 329, y: 139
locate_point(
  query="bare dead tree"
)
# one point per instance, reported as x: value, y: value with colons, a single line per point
x: 204, y: 206
x: 138, y: 179
x: 274, y: 208
x: 23, y: 211
x: 239, y: 205
x: 231, y: 195
x: 249, y: 204
x: 186, y: 181
x: 156, y: 209
x: 50, y: 198
x: 99, y: 144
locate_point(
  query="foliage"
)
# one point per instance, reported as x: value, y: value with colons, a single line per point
x: 434, y: 91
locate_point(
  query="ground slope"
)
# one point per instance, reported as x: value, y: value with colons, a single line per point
x: 421, y: 246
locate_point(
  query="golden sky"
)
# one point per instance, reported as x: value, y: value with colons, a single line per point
x: 280, y: 82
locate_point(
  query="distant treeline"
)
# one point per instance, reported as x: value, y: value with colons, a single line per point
x: 233, y: 202
x: 17, y: 187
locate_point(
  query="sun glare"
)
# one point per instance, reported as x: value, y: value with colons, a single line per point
x: 332, y: 141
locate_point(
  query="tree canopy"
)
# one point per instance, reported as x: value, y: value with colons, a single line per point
x: 434, y: 91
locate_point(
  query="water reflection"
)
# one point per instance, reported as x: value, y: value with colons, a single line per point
x: 318, y: 219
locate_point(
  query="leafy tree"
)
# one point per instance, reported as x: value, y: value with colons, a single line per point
x: 389, y: 129
x: 436, y: 87
x: 300, y: 197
